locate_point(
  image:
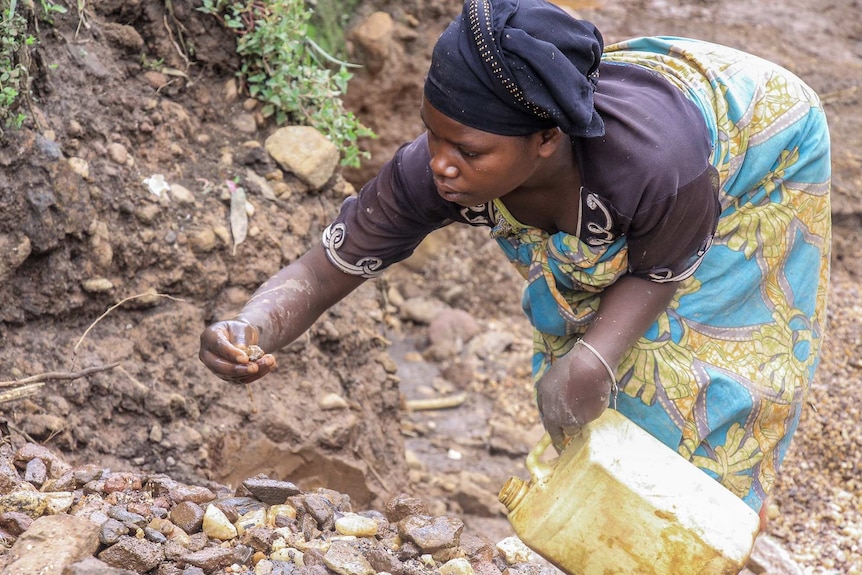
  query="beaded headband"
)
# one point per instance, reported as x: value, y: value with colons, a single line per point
x: 515, y: 67
x: 481, y: 29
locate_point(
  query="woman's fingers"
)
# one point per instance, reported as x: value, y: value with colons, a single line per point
x: 557, y: 438
x: 226, y: 341
x: 562, y: 430
x: 225, y: 351
x: 238, y: 372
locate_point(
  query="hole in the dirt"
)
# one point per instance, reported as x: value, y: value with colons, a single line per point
x: 244, y: 457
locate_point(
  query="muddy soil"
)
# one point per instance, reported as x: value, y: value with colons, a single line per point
x: 97, y: 270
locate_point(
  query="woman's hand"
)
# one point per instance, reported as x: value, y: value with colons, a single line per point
x: 225, y: 351
x: 574, y: 391
x: 577, y: 387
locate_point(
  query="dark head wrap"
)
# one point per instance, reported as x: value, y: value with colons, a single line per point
x: 515, y: 67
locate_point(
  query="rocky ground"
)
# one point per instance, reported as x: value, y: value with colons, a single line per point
x: 86, y: 521
x: 418, y: 383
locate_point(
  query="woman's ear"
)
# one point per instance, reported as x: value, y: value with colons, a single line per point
x: 549, y: 140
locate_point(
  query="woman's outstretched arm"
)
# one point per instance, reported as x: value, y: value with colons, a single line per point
x: 281, y: 310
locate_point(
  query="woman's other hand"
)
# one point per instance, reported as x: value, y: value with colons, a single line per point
x: 225, y: 351
x: 574, y: 391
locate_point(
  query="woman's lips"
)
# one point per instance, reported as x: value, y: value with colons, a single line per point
x: 449, y: 194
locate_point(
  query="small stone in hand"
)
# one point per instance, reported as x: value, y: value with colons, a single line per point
x: 254, y: 352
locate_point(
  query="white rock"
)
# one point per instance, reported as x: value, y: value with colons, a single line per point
x: 768, y: 556
x: 345, y: 558
x: 289, y: 555
x: 156, y: 433
x: 332, y: 401
x: 97, y: 285
x: 355, y: 524
x: 252, y: 519
x: 157, y: 185
x: 458, y: 566
x: 58, y: 502
x: 394, y: 296
x: 231, y: 90
x: 320, y: 545
x: 80, y: 167
x: 181, y: 537
x: 514, y: 551
x: 276, y: 510
x: 216, y: 524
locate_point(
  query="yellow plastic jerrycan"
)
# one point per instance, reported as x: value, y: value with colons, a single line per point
x: 619, y: 502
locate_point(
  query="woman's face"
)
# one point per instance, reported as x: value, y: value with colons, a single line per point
x: 473, y: 167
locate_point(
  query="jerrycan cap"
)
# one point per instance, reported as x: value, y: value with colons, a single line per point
x: 515, y: 488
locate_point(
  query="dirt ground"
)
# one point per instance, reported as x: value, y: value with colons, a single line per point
x: 96, y: 270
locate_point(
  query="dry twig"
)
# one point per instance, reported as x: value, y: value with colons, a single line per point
x: 435, y: 403
x: 58, y: 375
x: 115, y: 306
x: 82, y: 17
x: 838, y: 95
x: 30, y: 385
x: 20, y: 392
x: 373, y: 471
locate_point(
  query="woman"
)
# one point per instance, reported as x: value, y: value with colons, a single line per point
x: 667, y: 201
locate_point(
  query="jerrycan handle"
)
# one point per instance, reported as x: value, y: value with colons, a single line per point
x: 539, y: 470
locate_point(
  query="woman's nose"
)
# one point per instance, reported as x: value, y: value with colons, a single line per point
x: 441, y: 166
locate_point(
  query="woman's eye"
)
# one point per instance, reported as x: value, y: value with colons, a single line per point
x: 468, y: 154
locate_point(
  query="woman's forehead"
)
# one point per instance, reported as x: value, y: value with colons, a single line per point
x: 443, y: 126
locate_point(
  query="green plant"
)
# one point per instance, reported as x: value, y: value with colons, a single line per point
x: 13, y: 74
x: 148, y: 63
x: 283, y: 67
x: 327, y: 22
x: 18, y: 29
x: 49, y: 8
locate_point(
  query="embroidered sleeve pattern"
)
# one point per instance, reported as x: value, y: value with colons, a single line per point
x: 597, y: 219
x: 333, y: 238
x: 663, y: 275
x: 481, y: 215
